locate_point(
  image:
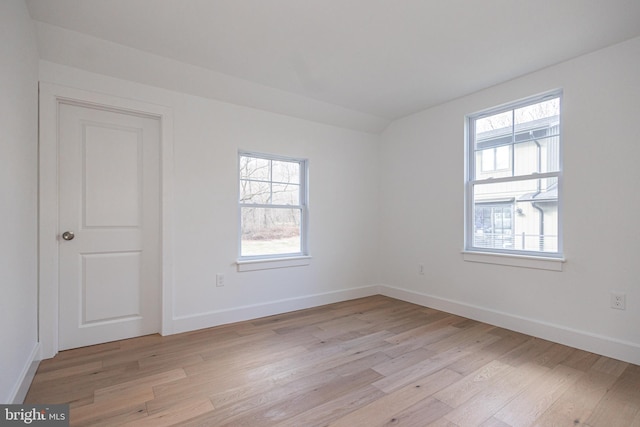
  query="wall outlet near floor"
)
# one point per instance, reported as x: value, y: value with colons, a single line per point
x: 618, y: 300
x: 219, y: 279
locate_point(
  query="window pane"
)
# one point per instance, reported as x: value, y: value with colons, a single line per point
x: 520, y: 215
x: 544, y: 114
x: 270, y: 231
x: 494, y: 162
x: 286, y: 172
x: 503, y: 157
x: 488, y: 160
x: 286, y: 194
x: 255, y: 192
x: 255, y: 168
x: 494, y: 130
x: 539, y: 155
x: 492, y: 225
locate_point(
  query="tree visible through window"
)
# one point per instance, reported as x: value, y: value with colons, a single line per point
x: 272, y: 206
x: 513, y: 178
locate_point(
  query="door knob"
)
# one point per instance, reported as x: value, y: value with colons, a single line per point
x: 68, y: 235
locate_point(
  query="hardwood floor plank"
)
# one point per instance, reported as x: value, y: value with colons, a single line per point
x: 581, y: 360
x: 79, y: 389
x: 332, y: 366
x: 129, y: 415
x: 473, y: 338
x: 442, y: 422
x: 251, y: 361
x: 418, y: 319
x: 174, y: 360
x: 70, y: 371
x: 555, y: 354
x: 419, y: 414
x: 341, y: 325
x: 538, y: 396
x: 621, y: 404
x: 576, y: 405
x: 116, y: 406
x: 486, y: 354
x: 426, y: 329
x: 369, y: 361
x: 229, y: 409
x: 296, y: 404
x: 526, y: 352
x: 610, y: 366
x: 455, y: 349
x: 323, y: 415
x: 378, y: 413
x: 135, y: 386
x: 403, y: 361
x: 485, y: 404
x: 174, y: 415
x: 482, y: 379
x: 121, y: 398
x: 493, y: 422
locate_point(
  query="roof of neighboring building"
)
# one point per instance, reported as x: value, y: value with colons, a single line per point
x: 548, y: 195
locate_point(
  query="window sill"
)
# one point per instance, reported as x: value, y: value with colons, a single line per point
x: 524, y: 261
x: 269, y: 263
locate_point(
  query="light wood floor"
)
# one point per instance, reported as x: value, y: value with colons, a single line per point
x: 367, y: 362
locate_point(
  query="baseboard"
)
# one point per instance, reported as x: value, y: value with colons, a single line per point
x: 249, y: 312
x: 606, y: 346
x: 25, y: 379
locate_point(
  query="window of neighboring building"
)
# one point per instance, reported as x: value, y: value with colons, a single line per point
x: 513, y: 178
x: 496, y: 158
x: 273, y: 206
x: 494, y: 225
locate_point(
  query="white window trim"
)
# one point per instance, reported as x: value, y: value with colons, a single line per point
x: 269, y: 263
x: 296, y: 259
x: 515, y: 258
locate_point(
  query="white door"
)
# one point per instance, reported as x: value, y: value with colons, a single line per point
x: 109, y: 225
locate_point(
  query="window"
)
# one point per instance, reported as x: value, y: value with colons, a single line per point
x: 513, y: 179
x: 496, y: 158
x: 273, y: 206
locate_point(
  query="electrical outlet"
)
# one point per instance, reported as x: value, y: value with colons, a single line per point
x: 618, y: 300
x: 219, y: 279
x: 421, y: 269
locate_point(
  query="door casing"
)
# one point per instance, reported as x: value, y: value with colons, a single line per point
x: 51, y: 96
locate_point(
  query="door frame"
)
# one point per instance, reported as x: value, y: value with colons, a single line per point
x: 51, y: 96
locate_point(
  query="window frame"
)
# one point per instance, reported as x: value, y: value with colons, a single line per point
x: 495, y: 255
x: 303, y: 206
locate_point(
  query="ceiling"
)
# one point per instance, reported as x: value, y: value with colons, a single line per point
x: 383, y: 58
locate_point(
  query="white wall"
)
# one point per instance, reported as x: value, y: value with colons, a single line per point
x: 207, y: 136
x: 18, y: 197
x: 422, y: 168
